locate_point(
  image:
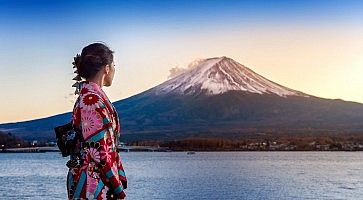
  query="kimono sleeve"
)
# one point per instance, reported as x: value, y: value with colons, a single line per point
x: 109, y: 164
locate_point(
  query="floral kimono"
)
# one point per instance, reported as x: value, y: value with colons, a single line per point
x: 97, y: 172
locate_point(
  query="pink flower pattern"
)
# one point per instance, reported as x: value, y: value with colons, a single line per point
x: 106, y: 153
x: 90, y: 101
x: 104, y: 193
x: 91, y: 122
x: 94, y: 154
x: 91, y: 186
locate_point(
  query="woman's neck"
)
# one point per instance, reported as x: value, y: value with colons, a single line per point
x: 98, y: 81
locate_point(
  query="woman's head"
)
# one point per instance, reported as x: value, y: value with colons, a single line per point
x: 96, y: 63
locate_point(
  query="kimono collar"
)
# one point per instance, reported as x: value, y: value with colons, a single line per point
x: 89, y: 86
x: 86, y: 86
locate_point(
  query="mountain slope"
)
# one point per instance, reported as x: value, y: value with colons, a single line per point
x: 218, y: 98
x: 236, y: 113
x: 39, y: 129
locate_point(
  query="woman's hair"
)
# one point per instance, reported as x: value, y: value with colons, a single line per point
x: 92, y: 59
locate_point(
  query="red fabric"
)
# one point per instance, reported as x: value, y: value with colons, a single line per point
x: 102, y: 168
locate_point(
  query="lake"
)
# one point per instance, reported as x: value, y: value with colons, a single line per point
x: 203, y: 175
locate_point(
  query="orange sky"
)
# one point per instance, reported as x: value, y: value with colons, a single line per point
x: 322, y: 58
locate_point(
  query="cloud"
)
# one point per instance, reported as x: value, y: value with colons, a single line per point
x: 175, y: 71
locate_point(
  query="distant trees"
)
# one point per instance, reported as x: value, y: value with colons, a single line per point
x: 280, y: 143
x: 8, y: 140
x: 208, y: 144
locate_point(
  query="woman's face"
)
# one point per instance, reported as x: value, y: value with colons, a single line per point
x: 110, y: 75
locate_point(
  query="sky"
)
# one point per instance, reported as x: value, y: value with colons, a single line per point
x: 312, y: 46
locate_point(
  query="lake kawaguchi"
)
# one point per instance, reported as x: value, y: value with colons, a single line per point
x: 203, y: 175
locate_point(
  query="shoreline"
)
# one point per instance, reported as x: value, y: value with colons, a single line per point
x: 189, y: 151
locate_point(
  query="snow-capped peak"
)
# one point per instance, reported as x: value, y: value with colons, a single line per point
x: 218, y: 75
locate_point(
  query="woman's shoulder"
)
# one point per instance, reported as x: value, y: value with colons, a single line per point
x: 94, y: 102
x: 91, y: 100
x: 86, y: 102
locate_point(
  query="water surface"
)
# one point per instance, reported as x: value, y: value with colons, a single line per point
x: 204, y: 175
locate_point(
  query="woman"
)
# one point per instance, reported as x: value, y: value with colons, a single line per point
x: 96, y: 172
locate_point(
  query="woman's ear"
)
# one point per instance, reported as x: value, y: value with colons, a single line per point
x: 107, y: 68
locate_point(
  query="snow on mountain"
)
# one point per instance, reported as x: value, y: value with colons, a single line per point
x: 218, y: 75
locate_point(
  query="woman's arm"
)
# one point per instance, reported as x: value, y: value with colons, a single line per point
x: 109, y: 163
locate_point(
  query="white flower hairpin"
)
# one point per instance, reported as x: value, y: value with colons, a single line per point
x: 78, y: 78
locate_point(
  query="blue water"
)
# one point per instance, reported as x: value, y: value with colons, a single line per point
x: 204, y: 175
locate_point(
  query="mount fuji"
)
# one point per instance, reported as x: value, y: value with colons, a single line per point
x: 217, y: 97
x: 215, y: 76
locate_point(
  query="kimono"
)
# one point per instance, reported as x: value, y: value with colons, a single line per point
x: 97, y: 171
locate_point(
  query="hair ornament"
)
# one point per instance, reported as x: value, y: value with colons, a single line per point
x: 78, y: 78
